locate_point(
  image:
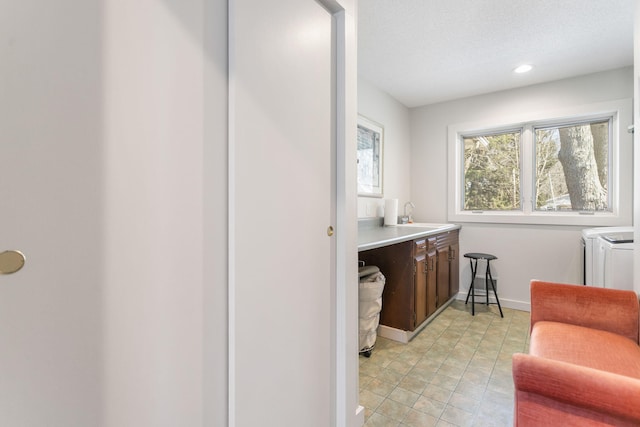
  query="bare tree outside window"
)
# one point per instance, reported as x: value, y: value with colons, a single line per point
x: 572, y: 167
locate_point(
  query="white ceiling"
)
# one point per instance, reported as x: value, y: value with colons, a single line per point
x: 427, y: 51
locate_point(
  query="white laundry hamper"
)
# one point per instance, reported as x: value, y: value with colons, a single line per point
x: 370, y: 303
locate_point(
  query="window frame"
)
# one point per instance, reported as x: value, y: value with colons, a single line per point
x: 620, y: 170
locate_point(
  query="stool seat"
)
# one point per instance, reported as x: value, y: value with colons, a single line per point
x: 488, y: 279
x: 480, y: 255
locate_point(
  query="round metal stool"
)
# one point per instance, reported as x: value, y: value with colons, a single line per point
x: 488, y: 278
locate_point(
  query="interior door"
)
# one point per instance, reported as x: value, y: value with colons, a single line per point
x: 50, y: 204
x: 283, y: 190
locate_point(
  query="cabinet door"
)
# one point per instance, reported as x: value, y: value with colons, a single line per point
x: 425, y: 286
x: 454, y: 268
x: 420, y: 287
x: 442, y: 269
x: 432, y: 295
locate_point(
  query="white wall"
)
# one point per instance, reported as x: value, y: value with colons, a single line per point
x: 524, y: 252
x: 394, y: 117
x: 153, y: 96
x: 51, y: 208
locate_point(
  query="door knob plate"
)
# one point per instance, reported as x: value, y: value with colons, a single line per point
x: 11, y: 261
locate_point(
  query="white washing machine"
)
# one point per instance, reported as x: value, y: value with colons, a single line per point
x: 593, y: 253
x: 617, y: 265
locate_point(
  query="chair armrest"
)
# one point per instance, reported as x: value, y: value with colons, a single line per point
x: 611, y: 310
x: 585, y: 388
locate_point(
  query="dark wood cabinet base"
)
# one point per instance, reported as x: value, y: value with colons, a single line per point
x: 421, y: 276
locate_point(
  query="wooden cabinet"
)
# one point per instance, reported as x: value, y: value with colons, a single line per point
x: 424, y: 279
x: 396, y: 264
x: 448, y: 266
x: 421, y: 275
x: 454, y: 266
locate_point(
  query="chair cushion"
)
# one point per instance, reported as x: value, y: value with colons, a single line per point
x: 588, y: 347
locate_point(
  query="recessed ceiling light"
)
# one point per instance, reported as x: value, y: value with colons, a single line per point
x: 523, y: 68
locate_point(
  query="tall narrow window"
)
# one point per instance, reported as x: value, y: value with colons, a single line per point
x: 492, y: 178
x: 572, y: 167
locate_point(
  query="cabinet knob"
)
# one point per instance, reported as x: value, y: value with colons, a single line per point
x: 330, y: 231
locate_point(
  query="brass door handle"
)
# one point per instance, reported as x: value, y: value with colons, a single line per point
x: 11, y: 261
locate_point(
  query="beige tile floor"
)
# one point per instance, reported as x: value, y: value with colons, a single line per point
x: 455, y: 372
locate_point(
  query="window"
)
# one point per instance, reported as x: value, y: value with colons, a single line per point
x: 492, y: 171
x: 569, y: 168
x: 572, y: 164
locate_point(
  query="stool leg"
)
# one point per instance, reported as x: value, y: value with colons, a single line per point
x: 471, y: 290
x: 473, y: 274
x: 494, y: 289
x: 487, y: 274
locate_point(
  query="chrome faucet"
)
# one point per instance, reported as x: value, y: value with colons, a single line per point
x: 408, y: 216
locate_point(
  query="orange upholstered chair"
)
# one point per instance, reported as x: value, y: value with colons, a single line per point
x: 583, y: 366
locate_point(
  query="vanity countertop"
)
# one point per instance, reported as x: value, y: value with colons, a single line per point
x: 371, y: 237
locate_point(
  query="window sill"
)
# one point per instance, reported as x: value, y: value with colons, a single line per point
x: 543, y: 218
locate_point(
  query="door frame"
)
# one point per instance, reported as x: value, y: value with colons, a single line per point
x: 348, y: 411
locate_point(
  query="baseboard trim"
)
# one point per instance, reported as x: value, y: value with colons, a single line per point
x: 508, y: 303
x: 359, y: 417
x: 406, y: 336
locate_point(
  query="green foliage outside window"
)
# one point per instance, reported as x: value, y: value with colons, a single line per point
x: 492, y: 172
